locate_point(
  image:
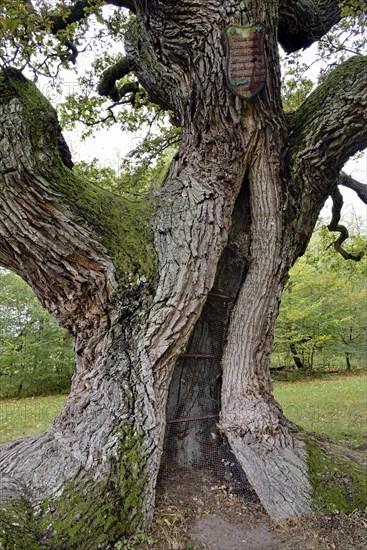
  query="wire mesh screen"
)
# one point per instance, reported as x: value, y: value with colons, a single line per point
x: 192, y: 438
x: 193, y: 411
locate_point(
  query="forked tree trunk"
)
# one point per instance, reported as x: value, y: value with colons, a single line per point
x: 131, y: 301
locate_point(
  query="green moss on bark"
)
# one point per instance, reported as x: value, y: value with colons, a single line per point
x: 339, y: 483
x: 324, y: 99
x: 18, y: 527
x: 122, y: 226
x: 93, y: 513
x: 90, y: 513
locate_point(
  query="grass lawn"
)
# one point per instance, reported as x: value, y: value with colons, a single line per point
x: 29, y: 416
x: 336, y: 408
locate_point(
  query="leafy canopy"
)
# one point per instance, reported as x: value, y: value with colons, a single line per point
x: 42, y: 39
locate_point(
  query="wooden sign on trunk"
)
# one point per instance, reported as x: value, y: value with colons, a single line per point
x: 246, y: 64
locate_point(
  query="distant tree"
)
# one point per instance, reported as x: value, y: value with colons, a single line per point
x: 36, y: 355
x: 323, y: 308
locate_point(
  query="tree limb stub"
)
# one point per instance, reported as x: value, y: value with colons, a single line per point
x: 303, y: 22
x: 357, y: 186
x: 334, y: 225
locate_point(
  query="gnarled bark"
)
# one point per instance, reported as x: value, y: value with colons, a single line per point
x: 112, y: 426
x: 93, y: 460
x: 132, y: 313
x: 268, y: 447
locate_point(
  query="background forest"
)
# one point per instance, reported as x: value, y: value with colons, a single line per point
x: 323, y: 319
x: 36, y: 356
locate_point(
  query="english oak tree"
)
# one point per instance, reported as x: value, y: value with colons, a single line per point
x: 130, y: 279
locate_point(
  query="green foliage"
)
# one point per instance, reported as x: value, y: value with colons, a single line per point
x: 151, y: 158
x: 322, y: 318
x: 36, y: 356
x: 103, y: 176
x: 347, y: 38
x: 31, y: 36
x: 29, y: 40
x: 295, y: 85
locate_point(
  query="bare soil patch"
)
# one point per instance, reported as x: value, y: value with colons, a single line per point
x: 194, y: 512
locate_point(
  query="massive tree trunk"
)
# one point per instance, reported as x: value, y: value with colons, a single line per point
x: 236, y: 209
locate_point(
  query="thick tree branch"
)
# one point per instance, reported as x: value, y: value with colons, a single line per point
x: 357, y: 186
x: 66, y: 237
x: 107, y: 85
x: 303, y: 22
x: 334, y: 225
x: 331, y: 125
x: 128, y: 4
x: 37, y: 222
x: 77, y: 13
x: 324, y: 132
